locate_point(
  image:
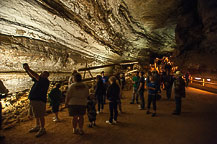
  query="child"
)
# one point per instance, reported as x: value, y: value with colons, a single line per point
x: 152, y: 87
x: 91, y: 110
x: 55, y: 98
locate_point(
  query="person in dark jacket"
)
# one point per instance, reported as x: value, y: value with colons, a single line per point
x: 38, y: 98
x: 113, y: 96
x: 55, y: 99
x: 168, y: 82
x: 178, y: 90
x: 99, y: 92
x: 141, y: 90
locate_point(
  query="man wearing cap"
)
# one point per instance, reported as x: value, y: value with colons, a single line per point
x: 178, y: 90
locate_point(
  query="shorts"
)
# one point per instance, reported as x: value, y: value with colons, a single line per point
x: 76, y: 110
x: 38, y: 108
x: 55, y: 108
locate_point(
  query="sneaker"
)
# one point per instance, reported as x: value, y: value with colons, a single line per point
x: 108, y: 122
x: 81, y: 132
x: 148, y: 112
x: 41, y: 132
x: 75, y: 131
x: 90, y: 126
x: 114, y: 121
x: 153, y: 115
x: 97, y: 112
x: 35, y: 129
x: 56, y: 120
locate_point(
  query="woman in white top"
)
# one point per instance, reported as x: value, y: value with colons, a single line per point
x: 76, y: 101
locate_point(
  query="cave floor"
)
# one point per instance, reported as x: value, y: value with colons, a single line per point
x: 196, y: 125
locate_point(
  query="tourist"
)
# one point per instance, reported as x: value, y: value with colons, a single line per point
x: 141, y: 90
x: 99, y: 92
x: 168, y: 82
x: 105, y: 82
x: 55, y: 99
x: 38, y: 98
x: 118, y: 82
x: 187, y: 75
x: 152, y: 89
x: 113, y: 96
x: 135, y: 88
x: 122, y: 80
x: 76, y: 101
x: 3, y: 93
x: 91, y: 110
x: 178, y: 90
x: 70, y: 81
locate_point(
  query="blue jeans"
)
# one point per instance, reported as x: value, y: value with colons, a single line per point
x: 152, y: 99
x: 113, y: 111
x: 178, y: 104
x: 142, y: 99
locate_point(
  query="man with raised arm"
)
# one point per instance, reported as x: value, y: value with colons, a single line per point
x: 38, y: 98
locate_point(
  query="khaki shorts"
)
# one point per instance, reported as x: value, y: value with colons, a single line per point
x: 38, y: 108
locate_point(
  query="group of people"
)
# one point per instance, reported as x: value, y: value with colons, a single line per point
x: 80, y: 98
x: 172, y: 84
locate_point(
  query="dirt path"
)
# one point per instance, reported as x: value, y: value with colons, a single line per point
x: 196, y: 125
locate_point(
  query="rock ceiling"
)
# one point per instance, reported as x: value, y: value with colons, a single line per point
x: 61, y: 35
x: 58, y: 34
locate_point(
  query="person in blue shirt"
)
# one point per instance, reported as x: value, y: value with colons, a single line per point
x: 105, y: 82
x: 152, y: 89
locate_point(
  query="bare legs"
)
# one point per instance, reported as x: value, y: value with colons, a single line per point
x: 78, y: 120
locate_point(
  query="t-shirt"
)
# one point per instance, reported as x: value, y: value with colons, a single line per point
x: 150, y: 91
x: 136, y: 81
x: 105, y: 79
x: 55, y: 96
x: 77, y: 94
x: 39, y: 89
x: 142, y: 80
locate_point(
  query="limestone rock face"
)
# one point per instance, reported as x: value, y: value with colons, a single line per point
x: 60, y: 35
x: 196, y: 36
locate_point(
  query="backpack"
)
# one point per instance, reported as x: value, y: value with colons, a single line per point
x: 179, y: 86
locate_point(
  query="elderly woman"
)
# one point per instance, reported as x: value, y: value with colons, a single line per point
x: 76, y: 101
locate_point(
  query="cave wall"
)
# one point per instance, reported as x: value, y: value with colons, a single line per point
x: 57, y: 35
x: 196, y: 36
